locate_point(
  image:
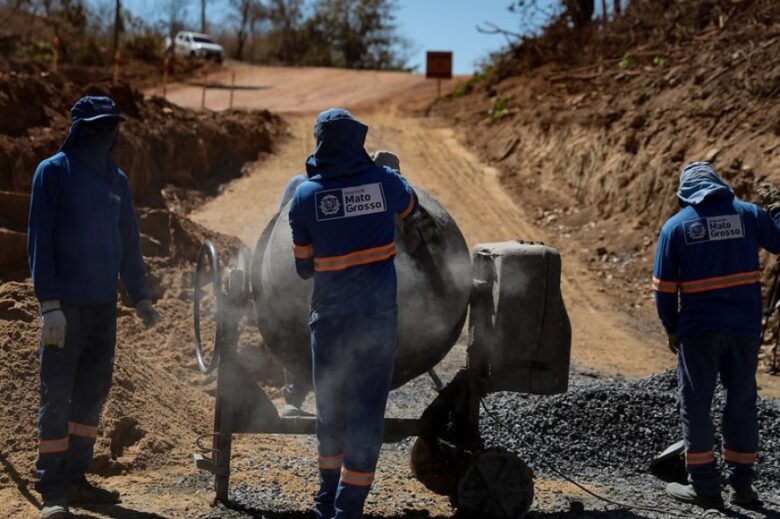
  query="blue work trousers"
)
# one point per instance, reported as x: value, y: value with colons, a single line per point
x: 75, y: 381
x: 353, y: 360
x: 701, y: 358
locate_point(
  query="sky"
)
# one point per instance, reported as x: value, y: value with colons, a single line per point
x: 451, y: 25
x: 430, y: 24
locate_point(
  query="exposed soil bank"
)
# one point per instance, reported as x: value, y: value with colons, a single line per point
x: 161, y: 146
x: 593, y: 140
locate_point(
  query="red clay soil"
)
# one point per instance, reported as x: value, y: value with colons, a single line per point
x: 163, y: 148
x: 590, y: 131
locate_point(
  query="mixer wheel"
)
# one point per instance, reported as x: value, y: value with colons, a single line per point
x: 496, y: 485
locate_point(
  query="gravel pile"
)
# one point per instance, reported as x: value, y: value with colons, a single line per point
x: 611, y: 429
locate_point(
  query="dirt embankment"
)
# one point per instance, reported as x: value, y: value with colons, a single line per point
x: 164, y: 149
x: 590, y: 131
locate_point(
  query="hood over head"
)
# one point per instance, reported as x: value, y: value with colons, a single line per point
x: 699, y: 181
x: 86, y: 110
x: 339, y: 151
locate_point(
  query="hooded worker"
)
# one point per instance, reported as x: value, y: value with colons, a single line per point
x: 296, y: 389
x: 82, y: 236
x: 707, y: 283
x: 343, y: 228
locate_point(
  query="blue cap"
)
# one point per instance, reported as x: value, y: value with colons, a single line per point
x: 92, y: 108
x: 88, y: 109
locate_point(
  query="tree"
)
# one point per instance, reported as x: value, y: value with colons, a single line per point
x: 176, y: 12
x: 248, y: 13
x: 580, y: 11
x: 358, y: 34
x: 117, y: 25
x: 203, y: 27
x: 286, y: 18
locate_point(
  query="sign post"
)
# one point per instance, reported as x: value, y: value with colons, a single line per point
x: 438, y: 66
x: 232, y: 88
x: 117, y: 64
x: 205, y: 85
x: 55, y: 51
x: 166, y: 72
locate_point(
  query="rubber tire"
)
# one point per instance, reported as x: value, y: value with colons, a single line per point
x: 497, y: 485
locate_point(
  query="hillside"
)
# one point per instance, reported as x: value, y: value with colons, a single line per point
x: 590, y: 130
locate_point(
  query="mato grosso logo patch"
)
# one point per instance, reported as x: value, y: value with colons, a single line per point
x: 350, y: 202
x: 713, y: 228
x: 329, y: 205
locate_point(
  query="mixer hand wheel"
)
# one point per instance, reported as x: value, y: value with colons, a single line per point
x: 207, y: 257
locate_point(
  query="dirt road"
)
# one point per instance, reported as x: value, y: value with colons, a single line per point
x: 432, y: 158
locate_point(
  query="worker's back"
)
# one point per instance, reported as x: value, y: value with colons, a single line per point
x: 709, y: 253
x: 343, y: 218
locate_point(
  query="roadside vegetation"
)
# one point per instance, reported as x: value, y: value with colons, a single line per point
x: 359, y: 34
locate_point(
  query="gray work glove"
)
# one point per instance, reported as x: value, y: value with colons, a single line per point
x: 386, y: 158
x: 672, y: 339
x: 146, y: 312
x: 53, y: 324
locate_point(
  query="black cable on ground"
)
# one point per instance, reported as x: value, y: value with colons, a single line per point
x: 563, y: 476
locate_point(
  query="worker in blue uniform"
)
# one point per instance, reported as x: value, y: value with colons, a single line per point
x: 707, y: 283
x: 82, y: 236
x: 343, y: 229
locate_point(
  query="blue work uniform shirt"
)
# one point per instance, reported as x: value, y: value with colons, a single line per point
x: 343, y: 222
x: 707, y: 275
x: 83, y: 233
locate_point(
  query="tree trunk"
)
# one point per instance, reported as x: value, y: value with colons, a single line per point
x: 241, y: 41
x: 618, y: 7
x: 604, y: 12
x: 203, y: 27
x: 117, y: 26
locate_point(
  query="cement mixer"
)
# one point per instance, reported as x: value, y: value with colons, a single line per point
x: 519, y: 340
x: 433, y: 294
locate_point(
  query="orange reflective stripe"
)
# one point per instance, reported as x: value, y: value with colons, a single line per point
x: 353, y: 259
x: 83, y: 430
x: 744, y: 458
x: 53, y: 446
x: 303, y: 251
x: 331, y: 462
x: 409, y: 207
x: 732, y: 280
x: 356, y: 479
x: 699, y: 458
x: 669, y: 287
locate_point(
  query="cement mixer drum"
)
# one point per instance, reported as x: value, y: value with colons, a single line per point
x: 433, y: 293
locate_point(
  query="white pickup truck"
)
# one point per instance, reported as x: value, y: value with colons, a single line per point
x: 196, y: 45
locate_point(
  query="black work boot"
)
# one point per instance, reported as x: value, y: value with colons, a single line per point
x: 54, y: 509
x: 84, y: 492
x: 688, y: 494
x: 744, y: 496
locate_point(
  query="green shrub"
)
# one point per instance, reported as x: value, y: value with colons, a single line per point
x: 499, y: 109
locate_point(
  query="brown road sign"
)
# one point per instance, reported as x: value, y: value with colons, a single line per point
x: 438, y: 65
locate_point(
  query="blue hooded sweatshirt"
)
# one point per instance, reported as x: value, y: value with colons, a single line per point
x: 343, y: 221
x: 707, y: 276
x: 83, y: 232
